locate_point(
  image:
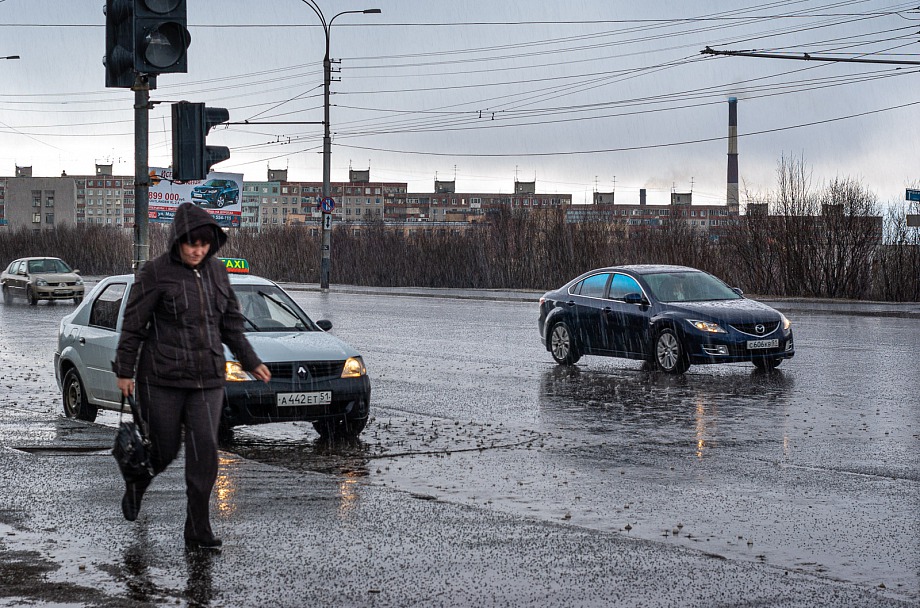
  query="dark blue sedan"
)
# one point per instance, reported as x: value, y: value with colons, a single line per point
x: 673, y: 316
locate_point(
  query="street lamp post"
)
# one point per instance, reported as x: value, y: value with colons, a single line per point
x: 326, y: 263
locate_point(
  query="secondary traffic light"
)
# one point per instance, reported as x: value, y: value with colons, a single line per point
x: 160, y: 36
x: 192, y: 157
x: 119, y: 43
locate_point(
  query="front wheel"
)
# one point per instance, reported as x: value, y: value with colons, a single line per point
x: 670, y: 355
x: 562, y: 344
x: 221, y: 201
x: 77, y: 300
x: 767, y: 363
x: 7, y: 296
x: 30, y: 296
x: 340, y: 428
x: 76, y: 404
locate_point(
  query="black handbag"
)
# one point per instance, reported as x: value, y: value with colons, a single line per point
x: 132, y: 447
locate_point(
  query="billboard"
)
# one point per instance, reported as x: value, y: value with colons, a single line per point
x: 220, y: 194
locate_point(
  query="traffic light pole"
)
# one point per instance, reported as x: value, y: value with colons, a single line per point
x: 141, y: 171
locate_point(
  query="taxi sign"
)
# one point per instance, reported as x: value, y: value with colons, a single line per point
x: 235, y: 265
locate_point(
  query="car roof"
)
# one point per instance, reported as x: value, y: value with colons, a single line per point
x: 644, y: 269
x: 39, y: 257
x: 235, y: 279
x: 654, y: 268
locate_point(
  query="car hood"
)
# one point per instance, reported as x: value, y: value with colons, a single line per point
x: 273, y: 347
x: 728, y: 311
x: 56, y: 277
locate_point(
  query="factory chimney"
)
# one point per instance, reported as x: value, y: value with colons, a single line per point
x: 731, y: 195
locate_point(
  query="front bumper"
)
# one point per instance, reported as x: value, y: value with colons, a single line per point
x: 733, y: 349
x: 256, y: 402
x: 54, y: 292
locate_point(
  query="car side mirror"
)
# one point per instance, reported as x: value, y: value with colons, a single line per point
x: 738, y: 291
x: 324, y: 324
x: 76, y: 271
x: 633, y: 298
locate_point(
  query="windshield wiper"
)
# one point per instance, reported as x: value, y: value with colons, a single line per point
x: 298, y: 325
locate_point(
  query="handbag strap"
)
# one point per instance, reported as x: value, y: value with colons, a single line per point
x: 135, y: 413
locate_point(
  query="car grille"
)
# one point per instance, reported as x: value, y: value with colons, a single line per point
x: 317, y: 370
x: 752, y: 328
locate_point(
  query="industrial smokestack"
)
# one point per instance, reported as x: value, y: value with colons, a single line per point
x: 641, y: 196
x: 731, y: 195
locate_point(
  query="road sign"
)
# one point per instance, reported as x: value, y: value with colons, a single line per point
x: 913, y: 195
x: 328, y: 204
x: 327, y: 221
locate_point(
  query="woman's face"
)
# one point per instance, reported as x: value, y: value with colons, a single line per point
x: 192, y: 254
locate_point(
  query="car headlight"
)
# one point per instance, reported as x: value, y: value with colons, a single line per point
x: 79, y: 281
x: 234, y: 372
x: 707, y: 326
x: 41, y: 282
x: 354, y: 368
x: 786, y: 322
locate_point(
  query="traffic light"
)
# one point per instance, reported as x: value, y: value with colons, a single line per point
x: 119, y: 43
x: 160, y: 36
x: 192, y: 158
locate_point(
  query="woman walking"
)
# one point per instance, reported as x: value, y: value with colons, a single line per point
x: 180, y: 312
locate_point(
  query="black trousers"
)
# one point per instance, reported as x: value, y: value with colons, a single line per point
x: 166, y: 411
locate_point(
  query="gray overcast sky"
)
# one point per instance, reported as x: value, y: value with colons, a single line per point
x: 577, y: 94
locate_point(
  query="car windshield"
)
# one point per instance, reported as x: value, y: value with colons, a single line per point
x: 48, y: 265
x: 688, y: 287
x: 268, y: 308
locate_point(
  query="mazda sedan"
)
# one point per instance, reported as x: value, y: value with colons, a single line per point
x: 315, y: 376
x: 672, y: 316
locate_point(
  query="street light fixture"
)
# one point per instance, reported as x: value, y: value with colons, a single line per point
x: 326, y: 263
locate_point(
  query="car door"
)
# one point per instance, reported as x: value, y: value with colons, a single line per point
x: 13, y: 280
x: 586, y: 311
x: 626, y: 323
x: 99, y: 340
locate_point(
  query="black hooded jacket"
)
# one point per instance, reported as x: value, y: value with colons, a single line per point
x: 179, y: 317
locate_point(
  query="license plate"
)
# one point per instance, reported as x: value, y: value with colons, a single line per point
x: 755, y: 344
x: 297, y: 399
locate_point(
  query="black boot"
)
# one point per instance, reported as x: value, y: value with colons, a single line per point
x: 131, y: 501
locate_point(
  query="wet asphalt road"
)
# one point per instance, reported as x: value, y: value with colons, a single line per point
x: 812, y: 469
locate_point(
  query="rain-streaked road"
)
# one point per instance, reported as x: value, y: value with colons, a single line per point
x: 812, y: 468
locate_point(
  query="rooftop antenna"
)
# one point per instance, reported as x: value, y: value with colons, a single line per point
x: 691, y: 185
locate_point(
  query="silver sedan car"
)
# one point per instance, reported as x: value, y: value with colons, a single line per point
x: 316, y: 377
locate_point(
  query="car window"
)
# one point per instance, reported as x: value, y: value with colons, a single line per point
x: 622, y: 285
x: 595, y: 285
x: 268, y: 308
x: 14, y: 267
x: 688, y: 287
x: 106, y: 306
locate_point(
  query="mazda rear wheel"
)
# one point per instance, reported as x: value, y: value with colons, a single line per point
x: 562, y: 344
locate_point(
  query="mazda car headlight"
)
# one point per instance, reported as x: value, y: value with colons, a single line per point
x: 707, y: 326
x: 786, y: 322
x: 354, y: 368
x: 234, y: 372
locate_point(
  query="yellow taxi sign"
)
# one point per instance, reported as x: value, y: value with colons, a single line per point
x: 235, y: 265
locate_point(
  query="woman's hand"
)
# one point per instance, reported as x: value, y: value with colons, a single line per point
x: 126, y: 386
x: 262, y: 373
